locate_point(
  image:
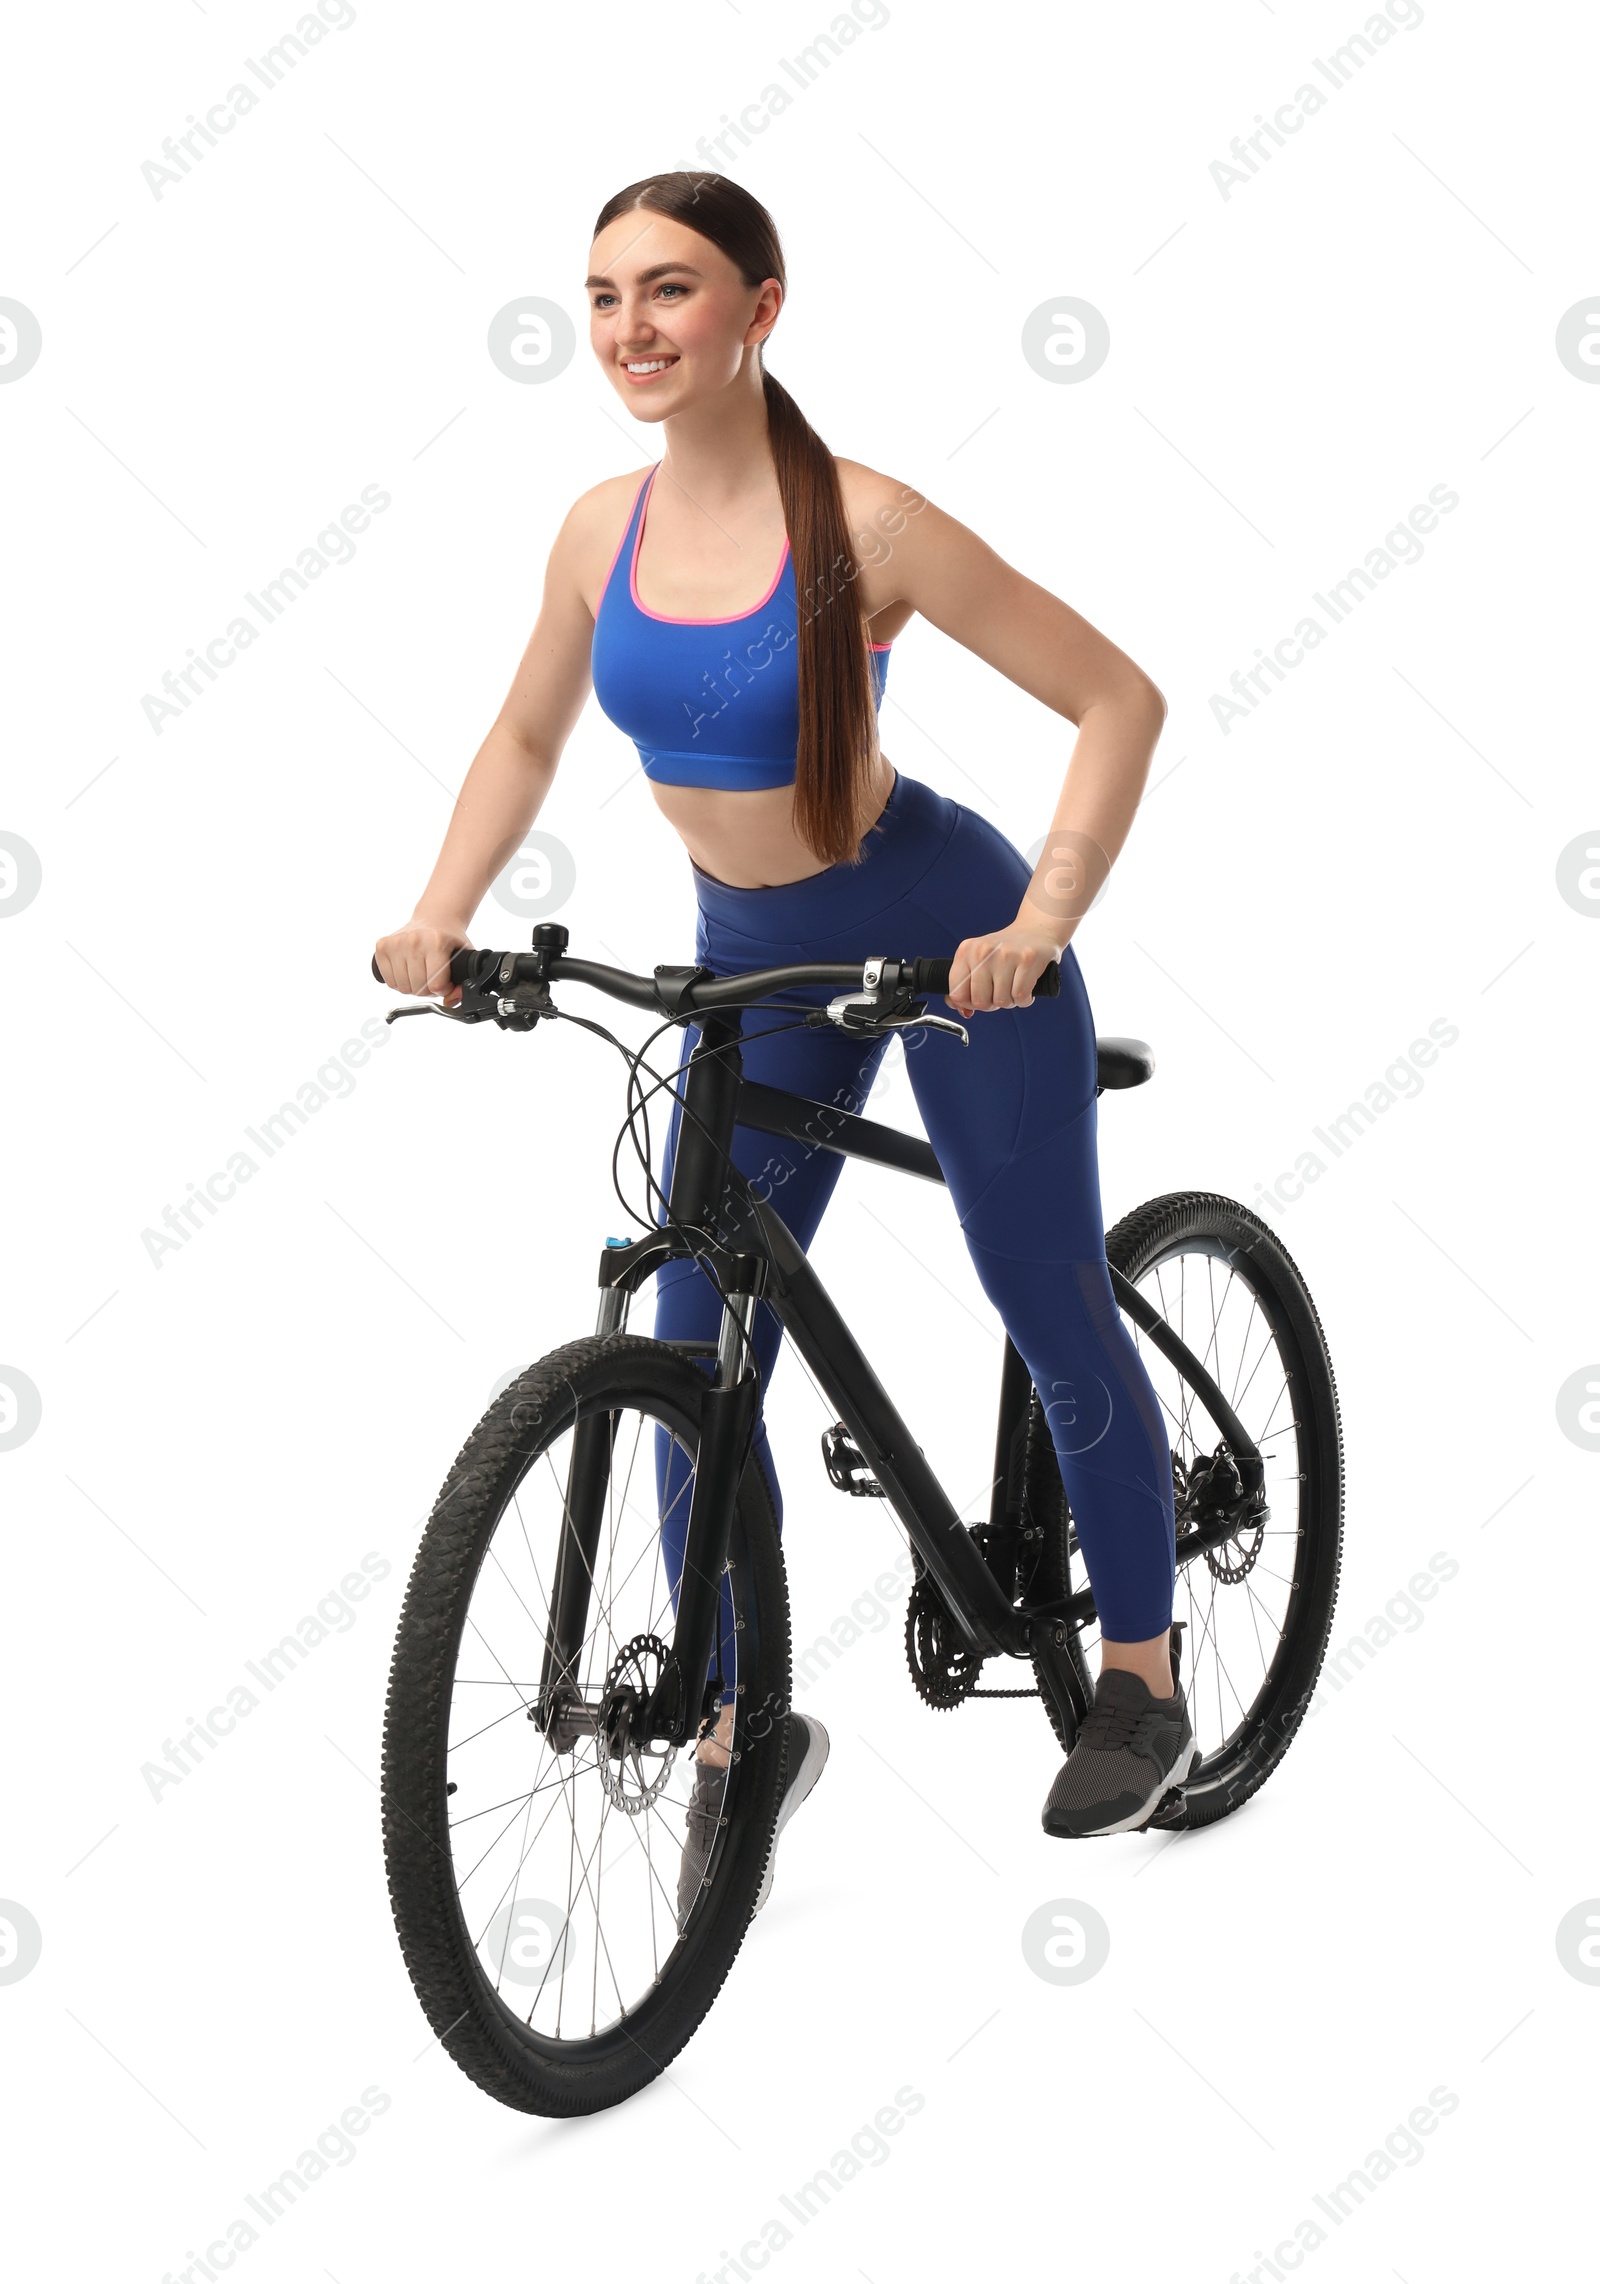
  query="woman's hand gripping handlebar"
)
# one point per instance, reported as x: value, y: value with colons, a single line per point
x: 880, y: 994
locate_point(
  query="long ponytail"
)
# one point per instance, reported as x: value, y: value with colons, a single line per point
x: 838, y: 742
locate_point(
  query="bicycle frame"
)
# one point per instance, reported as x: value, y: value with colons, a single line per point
x: 761, y: 1259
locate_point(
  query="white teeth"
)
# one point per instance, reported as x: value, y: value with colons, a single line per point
x: 653, y: 365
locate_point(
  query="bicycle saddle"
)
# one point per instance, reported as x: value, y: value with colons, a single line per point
x: 1123, y: 1062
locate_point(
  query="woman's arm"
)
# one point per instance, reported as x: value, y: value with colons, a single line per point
x: 511, y: 774
x: 940, y: 568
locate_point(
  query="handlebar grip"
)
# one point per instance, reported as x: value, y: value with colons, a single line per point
x: 459, y: 970
x: 934, y: 976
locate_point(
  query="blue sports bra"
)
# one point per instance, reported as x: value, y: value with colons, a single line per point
x: 707, y: 701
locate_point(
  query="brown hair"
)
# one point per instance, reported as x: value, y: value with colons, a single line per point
x: 838, y: 716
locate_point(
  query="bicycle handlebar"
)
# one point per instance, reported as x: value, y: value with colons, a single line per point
x: 507, y: 969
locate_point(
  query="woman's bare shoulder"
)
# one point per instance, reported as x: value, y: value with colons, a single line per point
x: 587, y: 543
x: 873, y: 500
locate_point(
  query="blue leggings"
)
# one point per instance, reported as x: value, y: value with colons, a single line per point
x: 1012, y: 1121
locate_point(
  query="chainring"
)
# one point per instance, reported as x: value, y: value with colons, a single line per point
x: 944, y: 1665
x: 1029, y: 1554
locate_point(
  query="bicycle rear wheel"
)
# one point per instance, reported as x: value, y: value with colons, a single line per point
x: 534, y: 1879
x: 1256, y: 1609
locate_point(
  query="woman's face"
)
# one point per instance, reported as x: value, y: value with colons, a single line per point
x: 670, y: 318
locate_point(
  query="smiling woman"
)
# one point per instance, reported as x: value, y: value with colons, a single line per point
x: 666, y: 340
x: 733, y: 611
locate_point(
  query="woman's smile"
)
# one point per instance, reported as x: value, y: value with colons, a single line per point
x: 647, y: 368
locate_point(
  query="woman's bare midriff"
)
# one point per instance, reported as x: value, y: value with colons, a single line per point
x: 748, y: 840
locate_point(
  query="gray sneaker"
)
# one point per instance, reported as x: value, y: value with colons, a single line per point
x: 808, y: 1756
x: 1132, y: 1749
x: 704, y: 1815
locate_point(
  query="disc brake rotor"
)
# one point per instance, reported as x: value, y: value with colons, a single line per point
x: 1235, y: 1558
x: 633, y: 1775
x: 1194, y: 1489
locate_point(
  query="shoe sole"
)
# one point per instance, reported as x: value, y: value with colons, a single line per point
x: 1174, y: 1781
x: 800, y: 1789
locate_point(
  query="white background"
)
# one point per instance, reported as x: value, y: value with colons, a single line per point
x: 224, y: 1435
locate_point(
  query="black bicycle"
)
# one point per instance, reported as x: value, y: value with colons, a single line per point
x: 549, y: 1679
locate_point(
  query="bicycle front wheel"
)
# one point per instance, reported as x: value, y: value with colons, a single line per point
x: 562, y: 1943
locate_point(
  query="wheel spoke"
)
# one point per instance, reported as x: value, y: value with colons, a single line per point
x: 505, y: 1941
x: 456, y: 1822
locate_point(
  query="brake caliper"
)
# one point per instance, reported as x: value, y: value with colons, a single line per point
x: 1222, y: 1490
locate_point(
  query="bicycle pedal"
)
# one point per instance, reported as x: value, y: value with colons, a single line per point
x: 847, y: 1470
x: 1167, y: 1814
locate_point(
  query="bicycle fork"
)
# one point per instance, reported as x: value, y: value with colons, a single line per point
x: 682, y: 1696
x: 727, y: 1420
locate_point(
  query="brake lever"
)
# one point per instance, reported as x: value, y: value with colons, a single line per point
x: 515, y: 1010
x: 859, y: 1013
x: 450, y: 1014
x: 929, y: 1023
